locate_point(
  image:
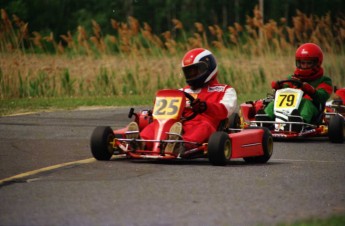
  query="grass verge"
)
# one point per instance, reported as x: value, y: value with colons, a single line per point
x: 336, y: 220
x: 24, y: 105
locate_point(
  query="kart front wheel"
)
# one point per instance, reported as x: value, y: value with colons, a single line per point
x: 101, y: 143
x: 267, y: 147
x: 219, y: 148
x: 336, y: 129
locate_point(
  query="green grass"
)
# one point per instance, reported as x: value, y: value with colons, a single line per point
x: 337, y: 220
x: 23, y: 105
x: 15, y: 106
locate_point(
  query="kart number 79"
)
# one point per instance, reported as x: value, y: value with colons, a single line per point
x: 167, y: 107
x: 286, y: 100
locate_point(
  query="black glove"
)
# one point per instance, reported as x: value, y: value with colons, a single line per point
x: 199, y: 106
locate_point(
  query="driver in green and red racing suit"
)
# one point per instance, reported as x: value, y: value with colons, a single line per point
x: 316, y: 86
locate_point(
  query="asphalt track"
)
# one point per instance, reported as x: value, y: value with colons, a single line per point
x: 47, y: 177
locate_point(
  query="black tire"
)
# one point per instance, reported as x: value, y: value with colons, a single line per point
x: 235, y: 122
x: 219, y: 148
x: 267, y: 145
x: 336, y: 129
x: 101, y: 147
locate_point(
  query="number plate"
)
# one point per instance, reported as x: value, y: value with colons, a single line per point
x: 286, y: 100
x: 167, y: 107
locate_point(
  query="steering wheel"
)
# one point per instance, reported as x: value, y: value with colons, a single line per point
x: 295, y: 82
x: 192, y: 115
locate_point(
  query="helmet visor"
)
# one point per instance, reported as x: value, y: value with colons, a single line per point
x: 306, y: 63
x: 195, y: 70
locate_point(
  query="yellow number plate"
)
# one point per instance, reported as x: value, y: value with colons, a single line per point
x: 167, y: 107
x: 286, y: 100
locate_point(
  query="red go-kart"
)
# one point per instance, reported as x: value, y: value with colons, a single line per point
x: 254, y: 145
x: 329, y: 122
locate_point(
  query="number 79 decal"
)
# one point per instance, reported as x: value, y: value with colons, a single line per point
x: 167, y: 107
x: 286, y: 100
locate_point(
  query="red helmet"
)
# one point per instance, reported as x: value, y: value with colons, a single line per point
x: 308, y: 62
x: 199, y: 67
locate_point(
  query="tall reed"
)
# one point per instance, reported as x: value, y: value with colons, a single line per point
x: 134, y: 60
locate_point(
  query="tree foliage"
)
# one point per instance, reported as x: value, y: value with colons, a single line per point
x: 61, y: 16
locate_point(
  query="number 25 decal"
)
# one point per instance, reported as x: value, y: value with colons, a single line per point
x: 166, y: 107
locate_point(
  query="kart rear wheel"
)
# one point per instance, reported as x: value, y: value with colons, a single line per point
x: 101, y: 147
x: 336, y: 129
x: 219, y: 148
x: 267, y: 146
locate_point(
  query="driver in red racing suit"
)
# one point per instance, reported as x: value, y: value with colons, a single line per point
x: 213, y: 101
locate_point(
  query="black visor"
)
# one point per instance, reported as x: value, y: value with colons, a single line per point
x: 195, y: 70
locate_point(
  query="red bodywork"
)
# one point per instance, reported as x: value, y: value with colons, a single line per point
x: 246, y: 143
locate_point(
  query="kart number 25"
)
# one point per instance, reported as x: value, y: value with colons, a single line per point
x: 286, y: 100
x: 166, y: 107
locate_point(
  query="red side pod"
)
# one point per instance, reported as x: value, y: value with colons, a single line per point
x: 247, y: 143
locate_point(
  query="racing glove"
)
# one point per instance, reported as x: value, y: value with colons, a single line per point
x: 308, y: 89
x: 199, y: 106
x: 276, y: 85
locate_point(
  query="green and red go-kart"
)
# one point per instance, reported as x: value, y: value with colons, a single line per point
x: 254, y: 145
x: 329, y: 122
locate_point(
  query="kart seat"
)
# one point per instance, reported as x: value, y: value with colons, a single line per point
x: 223, y: 125
x: 232, y: 122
